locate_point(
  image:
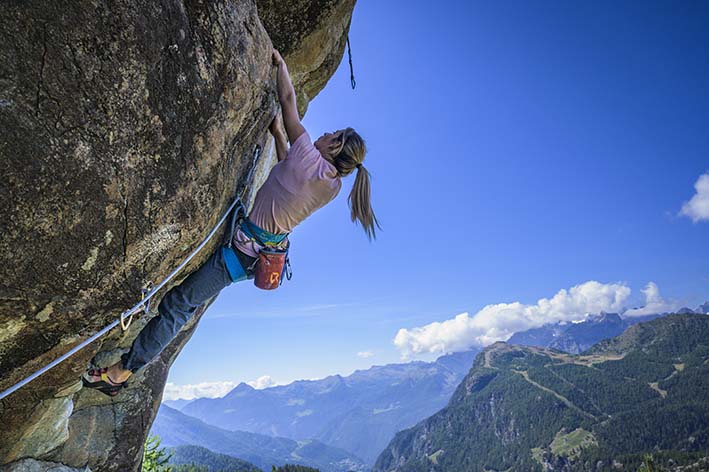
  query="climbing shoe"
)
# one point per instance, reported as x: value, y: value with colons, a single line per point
x: 99, y: 380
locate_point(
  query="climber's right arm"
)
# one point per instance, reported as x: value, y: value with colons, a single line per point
x: 286, y: 96
x: 279, y: 138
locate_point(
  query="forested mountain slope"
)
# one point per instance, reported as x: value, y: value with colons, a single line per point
x: 529, y: 408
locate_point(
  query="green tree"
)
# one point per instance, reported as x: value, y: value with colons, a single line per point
x: 648, y: 465
x: 155, y: 457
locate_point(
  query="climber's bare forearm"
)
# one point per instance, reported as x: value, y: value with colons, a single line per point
x: 281, y: 145
x: 286, y: 97
x: 286, y: 92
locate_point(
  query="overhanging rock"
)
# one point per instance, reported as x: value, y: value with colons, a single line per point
x: 125, y: 129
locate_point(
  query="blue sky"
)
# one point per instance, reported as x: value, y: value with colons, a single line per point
x: 517, y: 148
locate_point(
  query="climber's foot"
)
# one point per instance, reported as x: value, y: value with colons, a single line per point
x: 100, y: 380
x: 117, y: 373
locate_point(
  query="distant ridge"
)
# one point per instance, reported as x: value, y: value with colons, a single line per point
x: 575, y: 338
x: 177, y: 404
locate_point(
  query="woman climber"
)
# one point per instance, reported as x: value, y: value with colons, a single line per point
x: 306, y: 177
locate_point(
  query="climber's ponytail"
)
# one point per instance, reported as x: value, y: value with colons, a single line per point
x: 360, y: 205
x: 348, y: 159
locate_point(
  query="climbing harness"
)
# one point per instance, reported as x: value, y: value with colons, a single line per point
x: 272, y: 263
x: 148, y: 293
x: 349, y: 53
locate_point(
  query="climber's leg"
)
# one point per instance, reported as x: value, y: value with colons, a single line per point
x: 178, y: 306
x: 175, y: 309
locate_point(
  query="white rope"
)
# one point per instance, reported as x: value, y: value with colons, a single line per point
x: 138, y: 306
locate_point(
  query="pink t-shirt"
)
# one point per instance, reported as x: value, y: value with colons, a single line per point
x: 296, y: 187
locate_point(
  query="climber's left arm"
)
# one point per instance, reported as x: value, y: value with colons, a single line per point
x: 286, y: 97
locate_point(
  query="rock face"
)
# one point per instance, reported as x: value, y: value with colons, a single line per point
x: 125, y: 131
x: 313, y: 52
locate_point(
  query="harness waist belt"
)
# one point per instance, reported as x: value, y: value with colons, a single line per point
x: 263, y: 237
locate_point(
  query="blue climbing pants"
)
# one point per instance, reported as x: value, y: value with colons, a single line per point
x: 181, y: 302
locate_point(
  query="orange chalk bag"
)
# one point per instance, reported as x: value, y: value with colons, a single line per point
x: 271, y: 267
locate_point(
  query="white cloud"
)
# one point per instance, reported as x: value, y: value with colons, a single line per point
x: 697, y: 208
x: 498, y: 322
x: 365, y: 354
x: 200, y: 390
x: 654, y: 303
x: 262, y: 382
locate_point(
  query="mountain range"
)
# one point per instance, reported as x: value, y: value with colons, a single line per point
x: 575, y: 338
x: 359, y: 413
x: 531, y: 408
x: 177, y: 429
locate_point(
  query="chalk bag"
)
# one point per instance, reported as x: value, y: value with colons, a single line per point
x: 270, y: 268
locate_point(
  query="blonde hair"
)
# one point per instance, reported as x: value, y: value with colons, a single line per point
x: 346, y: 160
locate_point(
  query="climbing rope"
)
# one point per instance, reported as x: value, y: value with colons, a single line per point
x: 148, y: 294
x: 349, y: 53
